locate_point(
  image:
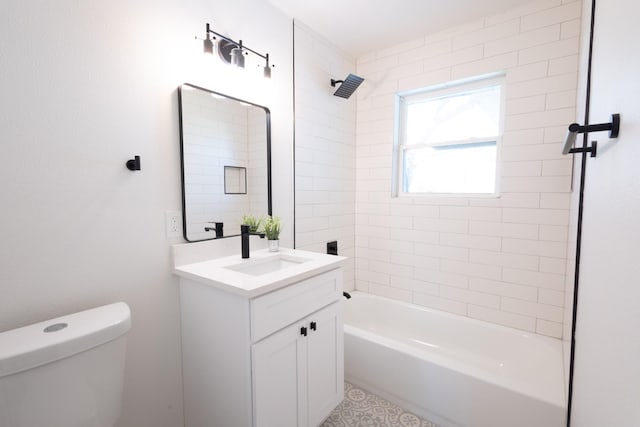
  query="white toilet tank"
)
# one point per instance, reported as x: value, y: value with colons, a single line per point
x: 65, y: 372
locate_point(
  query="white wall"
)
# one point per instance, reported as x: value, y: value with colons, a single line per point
x: 607, y: 372
x: 85, y: 87
x: 500, y: 260
x: 325, y: 148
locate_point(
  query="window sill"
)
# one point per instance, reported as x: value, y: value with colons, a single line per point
x: 448, y: 195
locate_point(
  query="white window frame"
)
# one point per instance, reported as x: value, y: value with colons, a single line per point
x: 440, y: 91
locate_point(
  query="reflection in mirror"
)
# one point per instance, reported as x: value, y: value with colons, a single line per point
x: 226, y: 162
x: 235, y: 180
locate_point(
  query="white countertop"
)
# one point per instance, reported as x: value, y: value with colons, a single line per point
x: 216, y: 272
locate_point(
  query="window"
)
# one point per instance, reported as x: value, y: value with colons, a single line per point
x: 447, y: 139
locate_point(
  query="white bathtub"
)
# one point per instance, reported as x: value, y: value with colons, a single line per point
x: 451, y: 369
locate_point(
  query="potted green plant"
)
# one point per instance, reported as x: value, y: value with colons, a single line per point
x: 252, y: 221
x: 271, y: 229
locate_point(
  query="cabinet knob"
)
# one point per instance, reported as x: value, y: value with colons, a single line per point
x: 303, y: 331
x: 313, y: 326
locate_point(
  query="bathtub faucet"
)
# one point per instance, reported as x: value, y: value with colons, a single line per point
x: 346, y: 295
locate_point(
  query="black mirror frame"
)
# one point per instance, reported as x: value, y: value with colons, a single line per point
x: 182, y: 171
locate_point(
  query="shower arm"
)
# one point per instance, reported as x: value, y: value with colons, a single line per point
x: 574, y: 129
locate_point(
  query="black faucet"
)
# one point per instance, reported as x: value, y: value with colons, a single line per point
x: 218, y: 228
x: 244, y: 238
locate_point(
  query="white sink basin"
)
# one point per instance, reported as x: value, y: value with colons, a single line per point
x: 271, y: 264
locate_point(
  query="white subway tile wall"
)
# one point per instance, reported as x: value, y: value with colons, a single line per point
x: 501, y: 260
x: 324, y: 149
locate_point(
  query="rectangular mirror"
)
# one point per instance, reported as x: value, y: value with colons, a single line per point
x: 225, y: 146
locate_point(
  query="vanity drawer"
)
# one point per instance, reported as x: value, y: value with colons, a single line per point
x: 278, y: 309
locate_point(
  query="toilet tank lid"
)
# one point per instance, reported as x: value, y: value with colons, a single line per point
x: 51, y: 340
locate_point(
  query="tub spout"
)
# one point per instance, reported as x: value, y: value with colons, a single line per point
x: 346, y: 295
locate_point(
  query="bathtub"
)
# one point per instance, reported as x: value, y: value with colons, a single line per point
x: 450, y: 369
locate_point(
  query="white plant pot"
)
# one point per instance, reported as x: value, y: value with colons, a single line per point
x: 273, y: 245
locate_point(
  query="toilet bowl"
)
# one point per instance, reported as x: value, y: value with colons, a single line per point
x: 65, y: 372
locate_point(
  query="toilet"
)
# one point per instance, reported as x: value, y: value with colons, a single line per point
x: 65, y: 372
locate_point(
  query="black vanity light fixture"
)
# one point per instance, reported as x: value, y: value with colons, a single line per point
x: 231, y: 51
x: 574, y: 129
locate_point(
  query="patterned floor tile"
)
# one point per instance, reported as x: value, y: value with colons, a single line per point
x: 363, y: 409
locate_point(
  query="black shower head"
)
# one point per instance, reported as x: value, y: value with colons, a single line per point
x: 348, y: 86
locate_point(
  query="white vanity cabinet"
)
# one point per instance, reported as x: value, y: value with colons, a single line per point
x: 298, y: 371
x: 271, y: 360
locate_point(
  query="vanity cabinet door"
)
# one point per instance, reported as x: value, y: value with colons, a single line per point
x: 298, y: 372
x: 279, y: 379
x: 325, y: 362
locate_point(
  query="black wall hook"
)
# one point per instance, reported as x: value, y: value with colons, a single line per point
x: 134, y: 164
